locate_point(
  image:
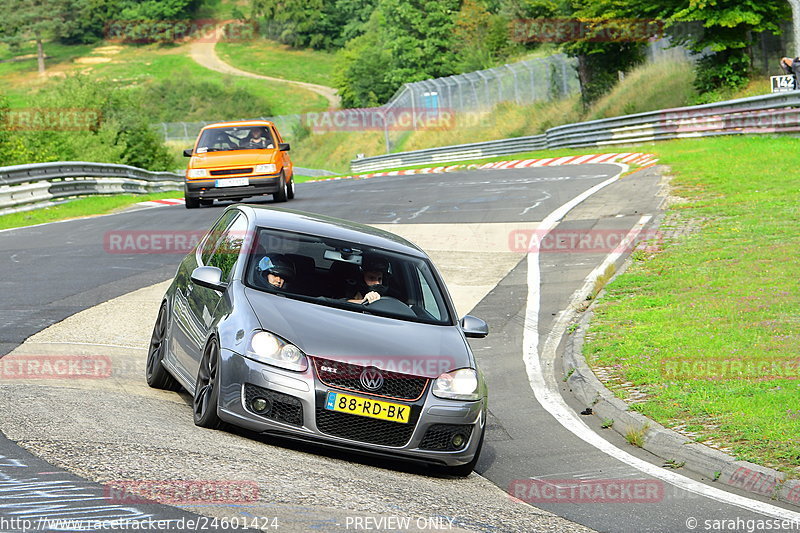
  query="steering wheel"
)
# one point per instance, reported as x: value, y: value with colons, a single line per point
x: 392, y: 305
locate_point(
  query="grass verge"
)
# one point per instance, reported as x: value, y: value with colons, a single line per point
x: 80, y: 207
x: 707, y: 326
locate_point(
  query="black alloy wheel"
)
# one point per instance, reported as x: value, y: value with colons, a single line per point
x: 156, y: 375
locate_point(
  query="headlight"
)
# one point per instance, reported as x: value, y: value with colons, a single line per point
x: 457, y: 385
x: 266, y: 169
x: 197, y: 173
x: 272, y: 350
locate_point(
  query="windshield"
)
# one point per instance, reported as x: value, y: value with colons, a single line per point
x: 341, y: 274
x: 235, y: 138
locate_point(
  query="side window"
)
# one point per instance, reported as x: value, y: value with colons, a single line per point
x: 213, y: 236
x: 429, y: 301
x: 228, y: 246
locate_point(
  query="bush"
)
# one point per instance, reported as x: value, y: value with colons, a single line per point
x: 724, y: 70
x: 184, y: 99
x: 117, y: 133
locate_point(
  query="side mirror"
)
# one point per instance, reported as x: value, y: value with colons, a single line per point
x: 283, y: 147
x: 474, y: 327
x: 187, y: 152
x: 209, y: 277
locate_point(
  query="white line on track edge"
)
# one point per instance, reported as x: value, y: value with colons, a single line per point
x: 546, y: 390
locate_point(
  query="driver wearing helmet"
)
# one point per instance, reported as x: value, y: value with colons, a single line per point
x: 276, y: 270
x: 371, y: 285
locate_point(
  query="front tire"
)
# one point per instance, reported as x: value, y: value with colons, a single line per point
x: 290, y: 189
x: 206, y: 392
x: 192, y: 203
x: 156, y: 375
x: 280, y: 196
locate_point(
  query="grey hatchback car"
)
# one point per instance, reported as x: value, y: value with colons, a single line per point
x: 322, y: 330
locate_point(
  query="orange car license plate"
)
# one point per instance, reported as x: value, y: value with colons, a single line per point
x: 356, y: 405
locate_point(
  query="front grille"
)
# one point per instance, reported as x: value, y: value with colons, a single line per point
x: 369, y: 430
x: 440, y: 437
x: 348, y: 376
x: 285, y: 408
x: 229, y: 171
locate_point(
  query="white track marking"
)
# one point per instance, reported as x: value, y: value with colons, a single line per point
x: 545, y: 387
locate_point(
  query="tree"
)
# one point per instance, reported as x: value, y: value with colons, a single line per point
x: 481, y: 38
x: 361, y: 68
x: 722, y: 29
x: 36, y: 20
x: 419, y: 38
x: 299, y: 23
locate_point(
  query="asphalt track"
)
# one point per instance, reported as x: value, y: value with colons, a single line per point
x: 53, y: 271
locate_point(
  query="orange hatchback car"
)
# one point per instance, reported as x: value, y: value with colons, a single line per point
x: 235, y: 160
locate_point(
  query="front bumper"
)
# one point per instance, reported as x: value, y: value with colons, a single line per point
x: 206, y: 189
x: 297, y: 412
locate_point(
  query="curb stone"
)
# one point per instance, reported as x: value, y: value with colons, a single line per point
x: 666, y: 443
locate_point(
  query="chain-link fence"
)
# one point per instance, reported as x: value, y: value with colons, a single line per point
x: 524, y: 82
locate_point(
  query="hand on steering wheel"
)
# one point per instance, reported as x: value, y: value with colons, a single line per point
x: 371, y: 297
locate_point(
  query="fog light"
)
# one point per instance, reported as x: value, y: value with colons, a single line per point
x: 458, y: 440
x: 260, y: 405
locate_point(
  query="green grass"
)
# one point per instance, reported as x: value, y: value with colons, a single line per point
x: 269, y: 58
x: 55, y: 53
x: 139, y: 65
x: 81, y: 207
x: 725, y: 293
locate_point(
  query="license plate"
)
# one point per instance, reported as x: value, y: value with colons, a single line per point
x: 233, y: 182
x: 356, y: 405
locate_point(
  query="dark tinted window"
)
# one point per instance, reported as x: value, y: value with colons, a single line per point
x: 331, y: 273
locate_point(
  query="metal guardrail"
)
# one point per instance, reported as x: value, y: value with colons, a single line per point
x: 775, y: 113
x: 24, y: 187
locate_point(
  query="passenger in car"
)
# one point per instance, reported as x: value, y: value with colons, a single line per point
x: 276, y: 270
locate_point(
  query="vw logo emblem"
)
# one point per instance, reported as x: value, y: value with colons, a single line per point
x: 371, y: 379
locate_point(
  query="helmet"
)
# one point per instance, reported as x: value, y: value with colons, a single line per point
x: 277, y: 265
x: 374, y: 263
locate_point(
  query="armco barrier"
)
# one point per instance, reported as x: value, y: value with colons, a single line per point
x: 774, y: 113
x: 29, y: 186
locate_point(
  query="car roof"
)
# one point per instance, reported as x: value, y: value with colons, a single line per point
x: 243, y: 123
x: 329, y: 227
